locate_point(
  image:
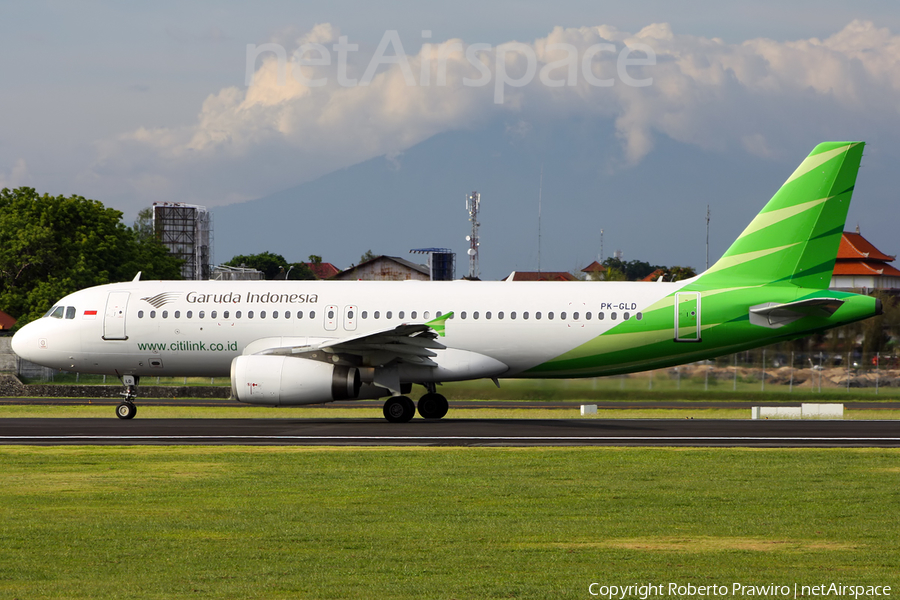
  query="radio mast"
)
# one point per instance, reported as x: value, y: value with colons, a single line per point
x: 473, y: 203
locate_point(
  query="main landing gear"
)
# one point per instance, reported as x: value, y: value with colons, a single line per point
x: 127, y: 409
x: 400, y: 409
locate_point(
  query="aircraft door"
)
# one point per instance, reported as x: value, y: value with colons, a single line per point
x: 687, y: 317
x: 350, y: 318
x: 331, y: 318
x: 114, y: 316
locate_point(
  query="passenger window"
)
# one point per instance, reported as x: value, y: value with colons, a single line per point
x: 177, y: 314
x: 365, y: 314
x: 349, y: 314
x: 437, y: 315
x: 274, y: 314
x: 600, y: 316
x: 262, y: 314
x: 625, y: 316
x: 413, y: 314
x: 400, y: 314
x: 331, y: 314
x: 475, y: 315
x: 225, y: 315
x: 462, y: 315
x: 201, y: 314
x: 212, y: 315
x: 525, y: 315
x: 237, y: 314
x: 140, y: 314
x: 299, y: 314
x: 563, y: 316
x: 550, y: 316
x: 574, y: 316
x: 587, y: 316
x: 165, y: 314
x: 312, y: 314
x: 487, y: 315
x: 639, y: 316
x: 512, y: 315
x: 537, y: 315
x: 500, y: 315
x: 249, y: 314
x: 152, y: 314
x: 613, y: 316
x: 377, y: 314
x: 388, y: 315
x: 190, y: 314
x: 70, y: 312
x: 427, y: 315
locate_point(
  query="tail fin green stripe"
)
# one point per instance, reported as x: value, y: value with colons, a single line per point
x: 796, y: 236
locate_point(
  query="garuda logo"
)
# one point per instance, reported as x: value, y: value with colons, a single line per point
x: 161, y: 299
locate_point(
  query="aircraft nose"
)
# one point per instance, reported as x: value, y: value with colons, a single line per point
x: 24, y: 342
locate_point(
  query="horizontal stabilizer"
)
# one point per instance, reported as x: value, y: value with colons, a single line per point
x: 775, y: 315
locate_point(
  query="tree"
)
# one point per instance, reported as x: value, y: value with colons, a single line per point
x: 51, y: 246
x: 143, y: 224
x: 273, y: 266
x: 270, y: 264
x: 299, y: 271
x: 367, y: 256
x: 678, y: 273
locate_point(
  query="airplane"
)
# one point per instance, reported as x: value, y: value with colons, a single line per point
x: 286, y: 343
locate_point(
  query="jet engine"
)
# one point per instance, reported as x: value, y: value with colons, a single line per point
x: 286, y: 380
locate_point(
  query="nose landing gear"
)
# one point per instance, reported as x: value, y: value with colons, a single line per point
x: 127, y: 409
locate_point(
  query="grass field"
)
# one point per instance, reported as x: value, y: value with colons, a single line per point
x: 250, y: 522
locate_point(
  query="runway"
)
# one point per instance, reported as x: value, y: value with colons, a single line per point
x: 452, y: 432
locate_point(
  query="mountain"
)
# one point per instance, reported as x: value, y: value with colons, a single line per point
x: 653, y: 211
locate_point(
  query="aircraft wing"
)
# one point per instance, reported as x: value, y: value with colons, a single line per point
x: 411, y: 343
x: 774, y: 315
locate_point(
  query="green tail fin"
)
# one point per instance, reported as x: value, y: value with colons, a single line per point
x: 796, y: 236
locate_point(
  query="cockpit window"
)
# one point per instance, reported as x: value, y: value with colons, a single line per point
x: 70, y: 312
x: 56, y: 312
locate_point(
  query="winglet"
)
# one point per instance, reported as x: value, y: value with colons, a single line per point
x: 137, y: 277
x: 438, y: 324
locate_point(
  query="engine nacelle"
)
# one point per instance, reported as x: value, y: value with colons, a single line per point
x: 286, y: 380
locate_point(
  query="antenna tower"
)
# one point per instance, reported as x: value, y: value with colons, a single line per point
x: 473, y: 203
x: 707, y: 237
x: 540, y: 199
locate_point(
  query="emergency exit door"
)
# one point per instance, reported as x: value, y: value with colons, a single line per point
x: 687, y: 317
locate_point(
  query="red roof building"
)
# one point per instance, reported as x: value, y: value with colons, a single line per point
x: 6, y: 321
x: 860, y: 265
x: 595, y: 271
x: 655, y: 275
x: 323, y: 270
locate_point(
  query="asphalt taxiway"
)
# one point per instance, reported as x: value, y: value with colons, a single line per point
x: 451, y: 432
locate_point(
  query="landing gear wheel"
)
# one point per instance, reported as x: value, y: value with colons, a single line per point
x: 399, y: 409
x: 433, y: 406
x: 126, y: 410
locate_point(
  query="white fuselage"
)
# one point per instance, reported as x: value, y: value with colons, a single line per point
x: 150, y: 328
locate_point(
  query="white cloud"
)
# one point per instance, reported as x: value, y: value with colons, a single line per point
x: 756, y: 96
x: 17, y: 176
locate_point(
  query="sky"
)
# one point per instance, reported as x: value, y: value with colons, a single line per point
x: 662, y: 107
